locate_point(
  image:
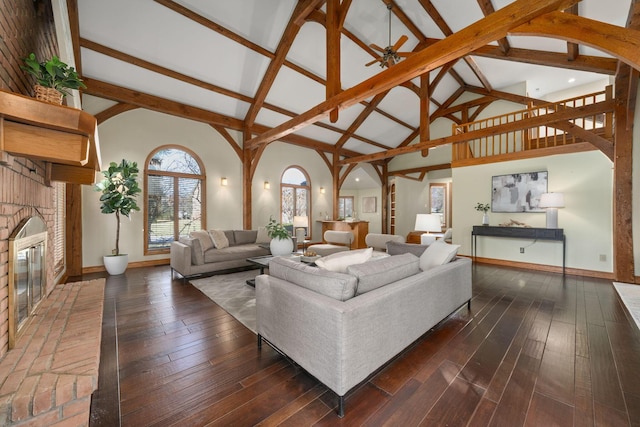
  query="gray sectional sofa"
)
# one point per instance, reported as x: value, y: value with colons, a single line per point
x: 342, y: 327
x: 196, y: 256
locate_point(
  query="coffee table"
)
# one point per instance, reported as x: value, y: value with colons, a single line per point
x: 263, y: 262
x: 260, y: 261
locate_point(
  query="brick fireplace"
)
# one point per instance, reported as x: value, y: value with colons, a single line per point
x: 50, y: 372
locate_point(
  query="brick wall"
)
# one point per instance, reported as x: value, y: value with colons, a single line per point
x: 25, y: 26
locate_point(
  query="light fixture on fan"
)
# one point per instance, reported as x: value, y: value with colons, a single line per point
x: 389, y: 55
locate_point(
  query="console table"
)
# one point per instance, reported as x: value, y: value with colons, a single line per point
x: 556, y: 234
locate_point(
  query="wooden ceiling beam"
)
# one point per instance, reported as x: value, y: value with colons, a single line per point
x: 573, y: 49
x: 199, y: 83
x: 619, y: 42
x: 113, y: 111
x: 301, y: 14
x: 288, y: 36
x: 593, y: 64
x: 487, y: 8
x: 455, y: 46
x: 334, y: 85
x: 364, y: 114
x: 162, y: 105
x: 447, y: 31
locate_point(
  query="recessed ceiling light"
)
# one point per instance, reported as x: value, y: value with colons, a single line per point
x: 357, y: 179
x: 572, y: 80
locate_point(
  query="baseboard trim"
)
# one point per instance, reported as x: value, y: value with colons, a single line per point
x: 137, y: 264
x: 547, y: 268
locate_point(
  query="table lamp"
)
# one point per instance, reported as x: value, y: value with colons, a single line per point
x: 551, y: 202
x: 428, y: 223
x: 300, y: 224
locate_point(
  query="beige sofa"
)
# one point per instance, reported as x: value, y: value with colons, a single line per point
x: 342, y: 327
x: 196, y: 256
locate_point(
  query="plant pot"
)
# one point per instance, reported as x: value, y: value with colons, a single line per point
x: 281, y: 246
x: 485, y: 219
x: 48, y: 94
x: 116, y: 264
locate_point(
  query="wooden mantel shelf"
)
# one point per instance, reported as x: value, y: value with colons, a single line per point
x: 64, y: 136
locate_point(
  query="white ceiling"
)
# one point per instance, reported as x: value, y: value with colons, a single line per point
x: 150, y: 31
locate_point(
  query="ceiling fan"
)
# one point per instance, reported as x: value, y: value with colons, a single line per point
x: 389, y: 55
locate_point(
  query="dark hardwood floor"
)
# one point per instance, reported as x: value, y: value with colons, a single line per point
x: 536, y: 349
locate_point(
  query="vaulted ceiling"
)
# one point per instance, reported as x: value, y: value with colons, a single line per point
x: 256, y: 64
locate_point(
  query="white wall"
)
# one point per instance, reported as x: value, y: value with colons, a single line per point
x: 134, y: 135
x: 586, y: 180
x: 276, y: 158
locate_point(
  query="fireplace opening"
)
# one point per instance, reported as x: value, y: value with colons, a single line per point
x: 27, y: 273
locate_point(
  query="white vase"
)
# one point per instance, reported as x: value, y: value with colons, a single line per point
x: 116, y: 264
x: 281, y: 246
x: 485, y: 219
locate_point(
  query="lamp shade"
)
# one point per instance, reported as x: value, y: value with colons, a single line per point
x: 428, y: 222
x: 300, y: 221
x: 551, y: 200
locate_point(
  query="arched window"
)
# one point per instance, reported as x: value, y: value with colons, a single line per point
x: 295, y: 199
x: 175, y: 197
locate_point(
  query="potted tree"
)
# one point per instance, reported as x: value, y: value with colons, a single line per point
x: 119, y: 191
x: 53, y: 78
x: 281, y: 243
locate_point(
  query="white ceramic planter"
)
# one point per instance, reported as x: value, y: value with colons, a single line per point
x: 485, y: 219
x: 281, y: 246
x: 116, y: 264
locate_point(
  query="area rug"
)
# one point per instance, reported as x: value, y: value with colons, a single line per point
x: 231, y: 292
x: 630, y: 296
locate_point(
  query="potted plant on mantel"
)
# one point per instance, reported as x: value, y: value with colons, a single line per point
x: 54, y: 77
x: 119, y: 190
x: 281, y: 243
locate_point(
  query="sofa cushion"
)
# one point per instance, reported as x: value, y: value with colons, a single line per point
x: 233, y: 253
x: 203, y: 237
x: 263, y: 235
x: 382, y: 271
x: 438, y: 253
x: 219, y: 238
x: 335, y: 285
x: 341, y: 260
x: 242, y: 237
x: 397, y: 248
x: 197, y: 257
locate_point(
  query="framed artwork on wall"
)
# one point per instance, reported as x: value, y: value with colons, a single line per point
x: 369, y: 204
x: 518, y: 192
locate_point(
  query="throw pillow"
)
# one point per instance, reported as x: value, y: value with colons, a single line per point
x: 334, y: 285
x: 341, y: 260
x: 263, y: 235
x: 397, y: 248
x: 219, y: 239
x: 203, y: 237
x: 376, y: 273
x: 438, y: 253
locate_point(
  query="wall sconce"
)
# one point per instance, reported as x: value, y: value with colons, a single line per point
x: 267, y: 186
x: 223, y: 182
x: 321, y: 190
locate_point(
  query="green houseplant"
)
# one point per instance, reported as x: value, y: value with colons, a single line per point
x: 119, y: 191
x: 54, y: 74
x: 281, y: 243
x: 483, y: 208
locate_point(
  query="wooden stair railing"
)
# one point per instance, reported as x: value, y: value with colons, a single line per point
x: 536, y: 137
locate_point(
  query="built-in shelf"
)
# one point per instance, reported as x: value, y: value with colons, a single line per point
x: 65, y: 137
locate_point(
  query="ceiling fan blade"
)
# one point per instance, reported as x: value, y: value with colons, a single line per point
x: 377, y: 60
x: 402, y: 40
x: 376, y: 47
